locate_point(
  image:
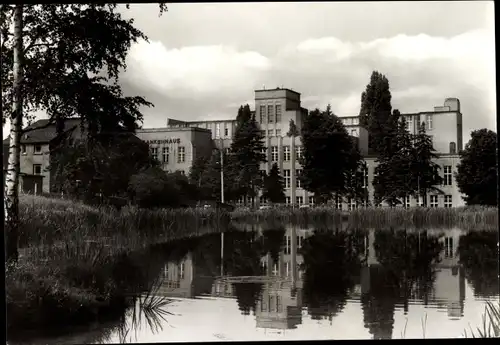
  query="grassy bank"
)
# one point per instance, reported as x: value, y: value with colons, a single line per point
x: 77, y: 263
x: 416, y: 217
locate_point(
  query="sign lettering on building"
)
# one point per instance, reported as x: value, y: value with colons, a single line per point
x: 164, y: 141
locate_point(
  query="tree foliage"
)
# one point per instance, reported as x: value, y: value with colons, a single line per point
x: 206, y: 175
x: 154, y: 187
x: 274, y: 186
x: 247, y: 153
x: 405, y: 164
x: 477, y: 173
x: 330, y: 158
x: 376, y: 109
x: 104, y: 167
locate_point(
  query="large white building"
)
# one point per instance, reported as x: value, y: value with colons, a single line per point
x: 273, y: 111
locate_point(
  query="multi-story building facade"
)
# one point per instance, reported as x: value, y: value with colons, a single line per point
x: 275, y: 108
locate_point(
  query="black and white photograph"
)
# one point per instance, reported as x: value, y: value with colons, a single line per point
x: 249, y: 171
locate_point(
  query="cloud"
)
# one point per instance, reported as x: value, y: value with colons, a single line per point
x: 194, y: 71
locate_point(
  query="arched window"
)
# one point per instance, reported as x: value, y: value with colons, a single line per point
x: 453, y: 147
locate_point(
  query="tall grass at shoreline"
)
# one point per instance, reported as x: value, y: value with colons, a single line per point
x: 416, y: 217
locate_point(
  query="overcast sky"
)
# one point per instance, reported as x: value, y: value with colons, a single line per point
x: 206, y: 59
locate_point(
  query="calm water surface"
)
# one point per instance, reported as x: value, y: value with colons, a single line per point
x: 292, y: 283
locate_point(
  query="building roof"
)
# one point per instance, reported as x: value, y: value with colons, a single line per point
x: 45, y: 134
x: 278, y: 88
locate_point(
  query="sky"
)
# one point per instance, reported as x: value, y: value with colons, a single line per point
x: 204, y: 60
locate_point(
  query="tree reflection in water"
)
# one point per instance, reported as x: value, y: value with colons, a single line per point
x: 404, y: 269
x: 330, y: 258
x: 478, y: 253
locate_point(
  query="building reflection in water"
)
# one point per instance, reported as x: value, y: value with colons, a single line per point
x: 279, y: 302
x: 448, y: 286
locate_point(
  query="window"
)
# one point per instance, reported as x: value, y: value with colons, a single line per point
x: 299, y: 200
x: 278, y: 132
x: 286, y: 153
x: 434, y: 201
x: 298, y: 172
x: 262, y: 200
x: 351, y: 204
x: 447, y: 180
x: 37, y: 169
x: 278, y: 113
x: 287, y: 269
x: 299, y: 242
x: 286, y: 176
x: 355, y: 121
x: 270, y: 114
x: 165, y: 155
x: 264, y: 151
x: 274, y: 153
x: 217, y: 130
x: 406, y: 202
x: 181, y: 154
x: 338, y: 203
x: 38, y: 148
x: 354, y: 132
x: 409, y: 123
x: 298, y: 152
x: 226, y: 132
x: 262, y: 114
x: 311, y: 200
x: 287, y: 199
x: 270, y: 132
x: 429, y: 122
x: 165, y: 271
x: 263, y: 133
x: 23, y: 149
x: 420, y: 201
x: 453, y: 147
x: 154, y: 153
x: 447, y: 201
x: 288, y: 245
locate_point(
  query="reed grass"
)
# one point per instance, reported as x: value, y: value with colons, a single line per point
x: 75, y: 260
x: 490, y: 327
x: 415, y: 217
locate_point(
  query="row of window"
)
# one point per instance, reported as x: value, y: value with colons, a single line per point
x: 352, y: 204
x: 286, y: 153
x: 217, y: 131
x: 37, y: 149
x: 277, y: 132
x: 273, y: 114
x: 181, y: 154
x: 409, y: 123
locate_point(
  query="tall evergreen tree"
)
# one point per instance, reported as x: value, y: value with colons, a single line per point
x: 329, y: 159
x: 376, y: 109
x: 385, y: 180
x: 274, y: 186
x: 247, y: 153
x: 425, y: 171
x: 477, y: 173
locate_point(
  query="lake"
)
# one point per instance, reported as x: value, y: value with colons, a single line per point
x: 292, y: 283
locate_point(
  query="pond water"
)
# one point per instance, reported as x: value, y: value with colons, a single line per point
x: 292, y: 283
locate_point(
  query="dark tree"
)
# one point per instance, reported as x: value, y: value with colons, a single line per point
x: 292, y: 131
x: 273, y: 241
x: 206, y: 175
x: 330, y: 158
x: 376, y: 109
x: 246, y: 154
x: 478, y: 168
x: 105, y: 167
x: 274, y: 187
x: 48, y: 55
x: 425, y: 171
